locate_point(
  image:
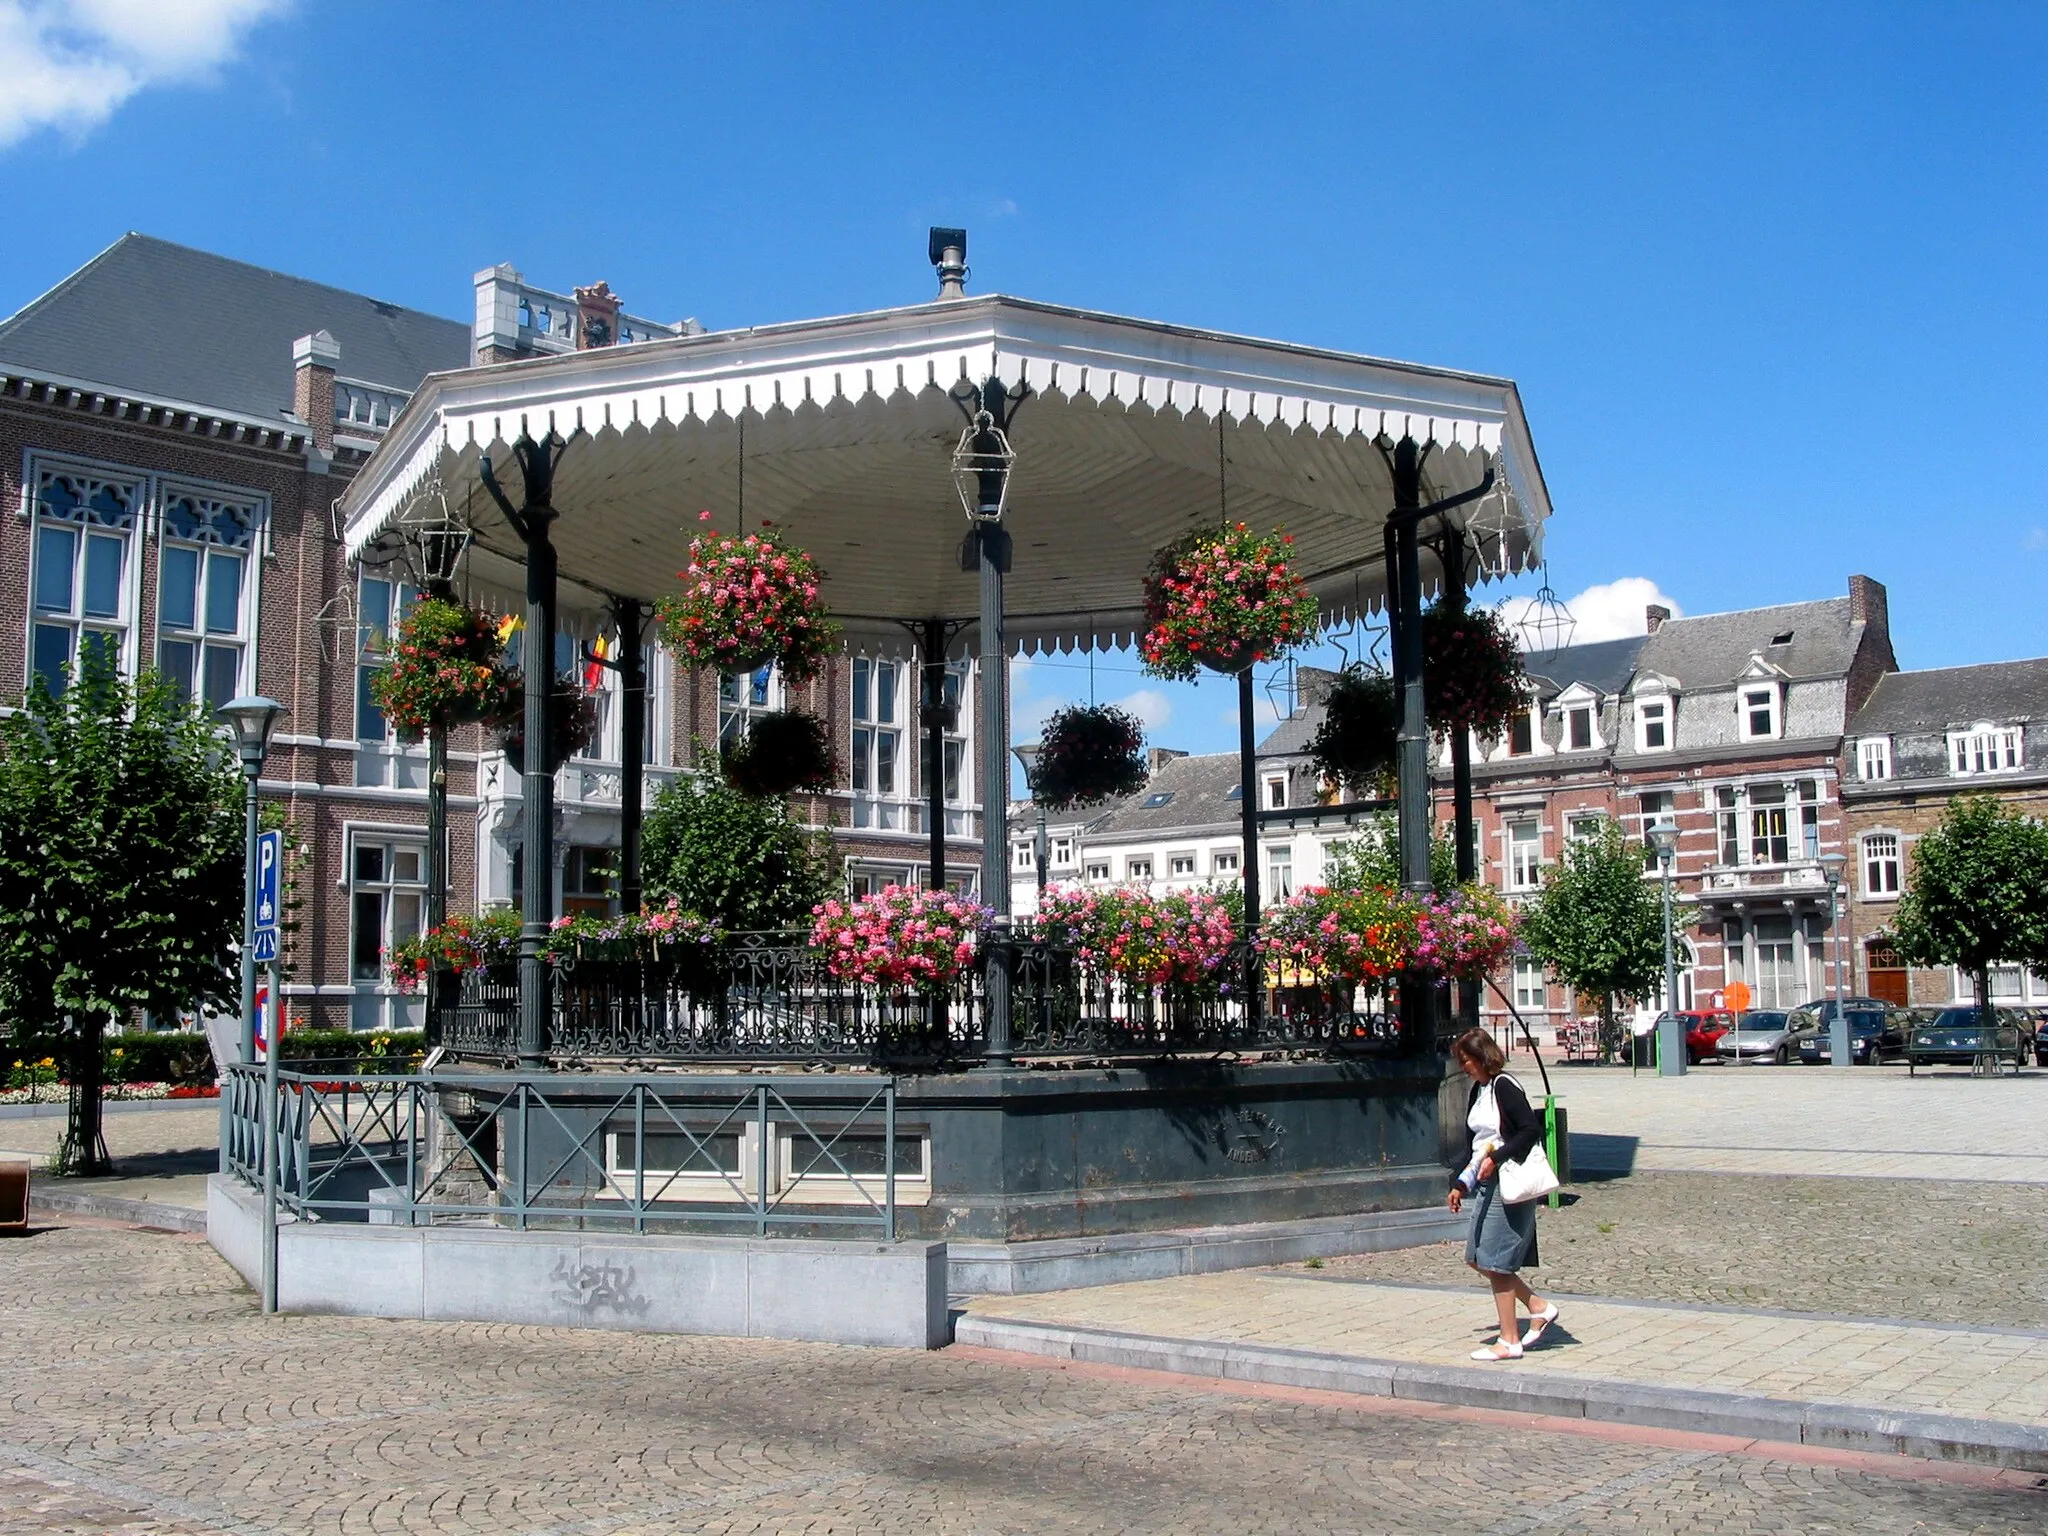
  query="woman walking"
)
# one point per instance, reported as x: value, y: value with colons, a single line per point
x: 1503, y: 1241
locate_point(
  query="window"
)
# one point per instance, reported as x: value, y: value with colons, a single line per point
x: 380, y: 608
x: 1881, y: 864
x: 1727, y: 825
x: 1157, y: 801
x: 1653, y: 809
x: 1024, y: 855
x: 1062, y: 852
x: 1223, y: 863
x: 1521, y: 735
x: 1279, y: 872
x: 387, y: 896
x: 1138, y: 869
x: 1874, y: 758
x: 871, y: 879
x: 955, y: 786
x: 877, y: 742
x: 1525, y: 855
x: 1578, y: 728
x: 1985, y: 749
x: 1774, y: 964
x: 1760, y: 713
x: 1809, y: 819
x: 1181, y: 865
x: 1528, y: 988
x: 1769, y: 839
x: 1098, y: 870
x: 1276, y: 792
x: 1653, y: 725
x: 1584, y: 827
x: 80, y: 586
x: 590, y: 882
x: 742, y: 696
x: 202, y: 606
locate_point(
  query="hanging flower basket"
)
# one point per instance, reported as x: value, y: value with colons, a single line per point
x: 446, y: 668
x: 575, y: 722
x: 487, y: 942
x: 901, y: 936
x: 783, y: 751
x: 1356, y: 743
x: 1222, y: 598
x: 1181, y: 939
x: 1088, y: 753
x: 1467, y: 933
x: 748, y: 599
x: 1318, y: 936
x: 1472, y: 675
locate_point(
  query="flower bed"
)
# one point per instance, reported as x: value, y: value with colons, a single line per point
x: 1366, y: 934
x: 447, y: 666
x: 901, y: 937
x: 462, y: 943
x: 1184, y: 939
x: 653, y: 934
x: 1222, y: 598
x: 748, y: 599
x: 1088, y: 753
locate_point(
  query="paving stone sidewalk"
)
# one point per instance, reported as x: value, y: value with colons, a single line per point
x: 1967, y: 1372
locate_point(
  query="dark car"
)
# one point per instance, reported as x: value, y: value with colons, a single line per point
x: 2038, y: 1018
x: 1876, y: 1034
x: 1958, y: 1036
x: 1703, y: 1031
x: 1763, y: 1034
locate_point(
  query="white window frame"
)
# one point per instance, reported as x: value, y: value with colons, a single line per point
x: 1874, y: 759
x: 1280, y: 871
x: 1665, y: 720
x: 201, y: 511
x: 1138, y: 866
x: 123, y: 527
x: 890, y: 809
x: 1584, y: 826
x: 377, y: 1004
x: 1524, y: 856
x: 1985, y: 748
x: 1274, y: 793
x: 1098, y: 869
x: 1752, y: 696
x: 1180, y: 866
x: 1225, y: 861
x: 1062, y: 853
x: 745, y: 696
x: 382, y: 761
x: 1880, y: 857
x: 1024, y: 855
x: 1530, y: 987
x: 1574, y: 711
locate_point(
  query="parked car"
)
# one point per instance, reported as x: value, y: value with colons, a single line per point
x: 1876, y: 1034
x: 1759, y: 1035
x: 1703, y: 1031
x: 2038, y: 1017
x: 1958, y: 1036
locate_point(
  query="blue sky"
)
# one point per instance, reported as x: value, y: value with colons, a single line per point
x: 1770, y: 277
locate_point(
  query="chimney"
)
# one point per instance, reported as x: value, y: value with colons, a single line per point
x: 1313, y: 685
x: 314, y: 359
x: 948, y: 252
x: 1158, y: 757
x: 1874, y: 657
x: 1867, y: 603
x: 496, y: 337
x: 1655, y: 617
x: 597, y: 316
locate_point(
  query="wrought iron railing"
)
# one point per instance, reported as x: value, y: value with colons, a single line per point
x: 770, y: 998
x: 618, y: 1153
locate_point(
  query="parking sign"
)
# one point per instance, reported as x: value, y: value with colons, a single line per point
x: 269, y: 864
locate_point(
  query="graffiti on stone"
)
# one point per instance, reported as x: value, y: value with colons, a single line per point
x: 591, y: 1287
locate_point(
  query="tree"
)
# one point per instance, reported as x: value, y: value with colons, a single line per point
x: 120, y: 871
x: 1598, y: 925
x: 743, y: 863
x: 1978, y: 895
x: 1373, y: 857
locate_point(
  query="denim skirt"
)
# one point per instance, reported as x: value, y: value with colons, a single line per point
x: 1503, y: 1238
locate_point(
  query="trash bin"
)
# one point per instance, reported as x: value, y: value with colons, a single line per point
x: 13, y: 1197
x: 1561, y: 1165
x: 1643, y: 1048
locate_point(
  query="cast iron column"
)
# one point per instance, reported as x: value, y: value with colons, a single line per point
x: 933, y: 646
x: 632, y: 664
x: 994, y: 543
x: 1461, y: 776
x: 1248, y: 833
x: 1418, y: 995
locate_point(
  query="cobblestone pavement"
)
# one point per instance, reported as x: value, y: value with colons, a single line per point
x: 143, y: 1393
x: 1950, y: 1253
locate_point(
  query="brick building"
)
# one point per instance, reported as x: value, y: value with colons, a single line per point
x: 175, y: 428
x: 1920, y: 740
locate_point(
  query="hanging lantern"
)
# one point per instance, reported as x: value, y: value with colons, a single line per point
x: 1546, y: 625
x: 981, y: 469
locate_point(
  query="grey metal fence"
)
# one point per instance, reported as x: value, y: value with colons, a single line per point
x: 618, y: 1152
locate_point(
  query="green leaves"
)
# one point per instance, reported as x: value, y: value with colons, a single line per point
x: 743, y: 863
x: 1978, y: 895
x: 1597, y: 924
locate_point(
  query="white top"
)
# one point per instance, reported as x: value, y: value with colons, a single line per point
x: 1483, y: 1119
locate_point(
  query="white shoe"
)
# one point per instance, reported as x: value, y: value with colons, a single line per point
x: 1497, y: 1351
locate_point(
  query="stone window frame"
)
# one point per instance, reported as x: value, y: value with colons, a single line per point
x: 208, y: 541
x: 1517, y: 874
x: 1656, y: 708
x: 1874, y: 759
x: 1872, y: 857
x: 1968, y: 754
x: 124, y: 622
x: 1748, y: 693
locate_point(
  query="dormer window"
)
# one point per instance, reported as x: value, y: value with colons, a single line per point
x: 1578, y: 728
x: 1874, y: 758
x: 1985, y: 749
x: 1653, y: 725
x: 1521, y: 736
x: 1759, y: 704
x: 1783, y: 637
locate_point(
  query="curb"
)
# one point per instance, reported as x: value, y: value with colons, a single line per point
x: 141, y: 1213
x: 1841, y: 1426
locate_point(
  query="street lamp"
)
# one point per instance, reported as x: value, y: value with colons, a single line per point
x: 1670, y: 1033
x: 1027, y: 759
x: 253, y: 717
x: 1831, y: 867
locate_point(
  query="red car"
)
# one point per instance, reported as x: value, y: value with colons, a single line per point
x: 1703, y: 1032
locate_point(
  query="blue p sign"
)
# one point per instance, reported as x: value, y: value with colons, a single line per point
x: 269, y: 865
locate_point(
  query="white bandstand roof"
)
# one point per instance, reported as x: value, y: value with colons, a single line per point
x: 848, y: 432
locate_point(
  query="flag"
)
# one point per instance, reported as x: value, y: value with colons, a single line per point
x: 593, y: 669
x: 508, y: 627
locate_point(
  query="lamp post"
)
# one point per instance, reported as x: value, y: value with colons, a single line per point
x: 1027, y: 759
x: 1670, y: 1033
x: 1839, y: 1048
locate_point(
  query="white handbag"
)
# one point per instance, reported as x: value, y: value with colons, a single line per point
x: 1530, y: 1179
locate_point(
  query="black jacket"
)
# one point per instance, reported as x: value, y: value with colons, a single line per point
x: 1521, y: 1128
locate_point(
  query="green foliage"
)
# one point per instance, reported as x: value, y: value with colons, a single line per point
x: 1356, y: 744
x: 1598, y: 925
x: 344, y: 1050
x: 737, y: 861
x: 1978, y: 895
x: 169, y: 1057
x: 120, y: 868
x: 1373, y: 857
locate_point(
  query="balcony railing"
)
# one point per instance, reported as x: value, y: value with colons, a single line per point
x: 769, y: 997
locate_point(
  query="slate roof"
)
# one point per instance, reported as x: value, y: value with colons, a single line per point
x: 165, y: 322
x: 1711, y: 651
x: 1605, y: 666
x: 1201, y: 787
x: 1997, y: 691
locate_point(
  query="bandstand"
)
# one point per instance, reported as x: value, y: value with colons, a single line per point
x: 986, y: 476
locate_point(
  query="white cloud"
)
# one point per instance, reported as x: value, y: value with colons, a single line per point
x: 1152, y: 707
x: 1612, y: 610
x: 1003, y: 208
x: 69, y: 64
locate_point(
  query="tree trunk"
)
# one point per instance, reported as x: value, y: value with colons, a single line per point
x: 83, y: 1153
x: 1607, y: 1040
x: 1981, y: 977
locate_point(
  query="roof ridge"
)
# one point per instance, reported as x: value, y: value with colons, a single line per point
x: 1965, y: 666
x: 1734, y: 613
